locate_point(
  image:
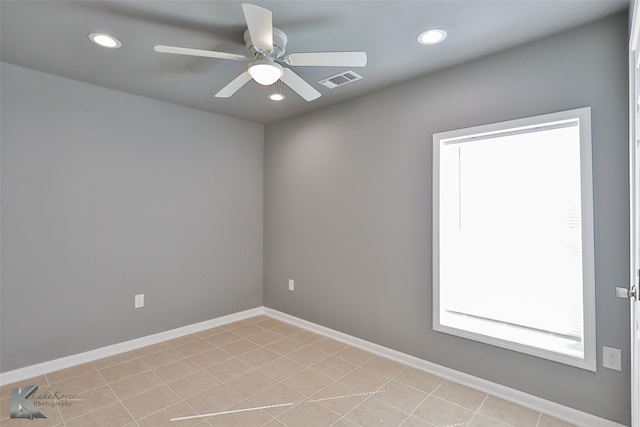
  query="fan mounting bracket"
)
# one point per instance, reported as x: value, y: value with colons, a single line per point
x: 279, y: 44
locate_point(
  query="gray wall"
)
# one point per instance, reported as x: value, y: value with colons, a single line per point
x: 348, y: 207
x: 106, y: 195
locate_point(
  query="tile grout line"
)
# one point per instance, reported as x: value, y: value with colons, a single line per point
x: 114, y: 393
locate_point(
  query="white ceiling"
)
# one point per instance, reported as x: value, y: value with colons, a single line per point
x: 51, y: 36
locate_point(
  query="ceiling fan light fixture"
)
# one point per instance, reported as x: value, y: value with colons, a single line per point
x: 265, y: 72
x: 432, y: 36
x: 105, y: 40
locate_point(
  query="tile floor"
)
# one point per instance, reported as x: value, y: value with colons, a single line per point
x: 297, y: 378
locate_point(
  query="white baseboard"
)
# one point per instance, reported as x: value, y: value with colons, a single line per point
x: 111, y: 350
x: 535, y: 403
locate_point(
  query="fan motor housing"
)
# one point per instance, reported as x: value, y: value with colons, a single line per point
x: 279, y: 44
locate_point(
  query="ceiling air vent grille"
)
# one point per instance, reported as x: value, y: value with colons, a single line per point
x: 340, y: 79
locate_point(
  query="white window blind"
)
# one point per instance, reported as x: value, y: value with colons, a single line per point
x: 510, y: 239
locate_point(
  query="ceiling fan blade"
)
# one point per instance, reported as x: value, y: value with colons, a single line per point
x: 234, y: 86
x: 327, y: 59
x: 259, y: 21
x: 198, y: 52
x: 299, y: 85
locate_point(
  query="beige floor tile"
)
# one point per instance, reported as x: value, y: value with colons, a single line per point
x: 212, y: 331
x: 177, y: 342
x: 151, y: 401
x: 90, y: 401
x: 417, y: 422
x: 135, y: 385
x: 242, y: 346
x: 163, y: 418
x: 373, y: 412
x: 345, y: 422
x: 384, y: 366
x: 270, y: 323
x: 194, y: 384
x: 259, y: 357
x: 40, y: 381
x: 339, y: 398
x: 306, y: 337
x: 210, y: 358
x: 285, y: 346
x: 443, y: 413
x: 364, y: 380
x: 223, y: 338
x: 216, y: 399
x: 401, y: 396
x: 123, y: 370
x: 80, y: 384
x: 247, y: 330
x: 307, y: 382
x: 251, y: 383
x: 279, y: 394
x: 5, y: 408
x: 548, y: 421
x: 419, y: 379
x: 308, y: 415
x: 150, y: 349
x: 113, y: 415
x: 195, y: 347
x: 333, y: 367
x: 287, y: 330
x: 508, y: 412
x: 68, y: 373
x: 307, y: 356
x: 463, y: 396
x: 161, y: 358
x: 176, y: 370
x: 241, y: 419
x: 36, y: 422
x: 236, y: 325
x: 260, y: 362
x: 229, y: 369
x: 328, y: 345
x: 480, y: 420
x: 282, y: 368
x: 354, y: 355
x: 264, y: 337
x: 113, y: 360
x: 274, y: 423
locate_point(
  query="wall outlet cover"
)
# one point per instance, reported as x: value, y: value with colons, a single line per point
x: 612, y: 358
x: 139, y: 301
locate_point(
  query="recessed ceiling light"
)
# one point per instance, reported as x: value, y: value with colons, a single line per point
x: 105, y: 40
x: 433, y: 36
x: 277, y: 97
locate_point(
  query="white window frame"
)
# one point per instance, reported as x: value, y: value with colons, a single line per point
x: 588, y: 362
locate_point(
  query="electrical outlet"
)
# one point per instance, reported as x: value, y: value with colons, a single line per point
x: 138, y: 301
x: 612, y: 358
x: 291, y: 285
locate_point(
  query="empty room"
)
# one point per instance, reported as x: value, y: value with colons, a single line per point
x: 320, y: 213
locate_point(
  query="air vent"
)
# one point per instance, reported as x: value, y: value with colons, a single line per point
x: 340, y: 79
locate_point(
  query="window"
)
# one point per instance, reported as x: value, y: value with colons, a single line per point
x: 513, y: 262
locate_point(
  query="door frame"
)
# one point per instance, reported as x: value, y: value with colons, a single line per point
x: 634, y: 207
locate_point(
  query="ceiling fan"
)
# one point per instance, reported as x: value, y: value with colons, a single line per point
x: 266, y: 52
